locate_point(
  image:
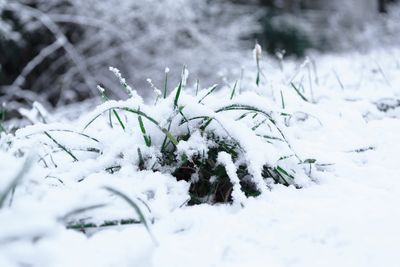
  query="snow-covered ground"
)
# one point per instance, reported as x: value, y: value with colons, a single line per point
x: 345, y: 214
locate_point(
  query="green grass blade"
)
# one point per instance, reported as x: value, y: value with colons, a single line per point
x: 165, y: 85
x: 233, y: 90
x: 258, y: 125
x: 105, y: 99
x: 164, y: 144
x: 135, y: 207
x: 119, y: 119
x: 212, y: 88
x: 170, y: 136
x: 147, y: 139
x: 110, y: 119
x: 298, y: 92
x: 244, y: 108
x: 206, y: 123
x: 287, y: 178
x: 270, y: 137
x: 61, y: 146
x: 178, y: 93
x: 184, y: 119
x: 244, y: 115
x: 258, y: 78
x: 81, y: 210
x: 18, y: 177
x: 2, y: 120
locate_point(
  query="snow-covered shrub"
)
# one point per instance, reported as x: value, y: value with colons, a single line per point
x: 225, y: 145
x: 82, y: 38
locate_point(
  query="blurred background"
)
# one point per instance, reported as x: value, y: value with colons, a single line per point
x: 57, y: 51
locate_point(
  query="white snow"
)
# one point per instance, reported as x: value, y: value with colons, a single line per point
x: 347, y: 215
x: 226, y: 160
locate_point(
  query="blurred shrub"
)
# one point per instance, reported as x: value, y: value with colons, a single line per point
x: 59, y: 50
x: 285, y: 32
x: 20, y: 42
x: 297, y: 26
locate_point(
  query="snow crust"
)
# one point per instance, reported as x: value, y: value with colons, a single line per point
x: 346, y: 215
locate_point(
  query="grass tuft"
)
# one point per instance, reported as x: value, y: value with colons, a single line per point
x: 210, y: 181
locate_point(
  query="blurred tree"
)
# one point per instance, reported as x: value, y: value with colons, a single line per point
x: 298, y: 25
x: 383, y: 5
x: 66, y: 46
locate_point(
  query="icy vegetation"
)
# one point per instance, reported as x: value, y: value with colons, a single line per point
x: 191, y: 151
x: 80, y: 39
x: 291, y: 164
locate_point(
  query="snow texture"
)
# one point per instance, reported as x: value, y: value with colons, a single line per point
x: 343, y: 124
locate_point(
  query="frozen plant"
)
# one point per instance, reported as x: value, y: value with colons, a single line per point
x: 226, y: 149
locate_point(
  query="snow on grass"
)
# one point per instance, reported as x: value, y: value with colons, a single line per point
x: 324, y: 159
x: 226, y: 160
